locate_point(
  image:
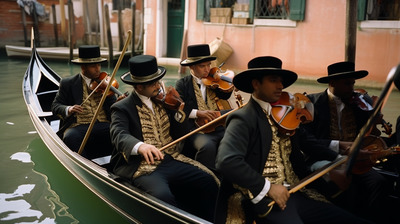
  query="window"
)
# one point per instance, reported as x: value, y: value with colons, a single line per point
x: 253, y: 9
x: 379, y: 10
x: 121, y: 3
x: 271, y: 9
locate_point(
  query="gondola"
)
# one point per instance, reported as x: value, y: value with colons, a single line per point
x: 40, y: 85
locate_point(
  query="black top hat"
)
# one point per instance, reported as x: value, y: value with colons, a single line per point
x: 261, y: 66
x: 342, y: 70
x: 143, y: 69
x: 89, y: 54
x: 197, y: 54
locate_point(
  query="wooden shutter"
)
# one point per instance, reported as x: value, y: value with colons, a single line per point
x: 200, y: 10
x: 297, y: 9
x: 361, y: 10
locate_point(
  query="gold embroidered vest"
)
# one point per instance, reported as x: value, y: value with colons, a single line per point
x: 90, y: 107
x: 348, y: 124
x: 211, y: 98
x: 278, y: 170
x: 155, y: 129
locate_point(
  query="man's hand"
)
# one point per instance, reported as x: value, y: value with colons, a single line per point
x: 344, y: 147
x: 150, y: 153
x: 75, y: 109
x: 279, y: 194
x: 205, y: 116
x: 122, y: 96
x: 208, y: 115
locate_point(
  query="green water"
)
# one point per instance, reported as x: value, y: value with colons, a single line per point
x: 34, y: 187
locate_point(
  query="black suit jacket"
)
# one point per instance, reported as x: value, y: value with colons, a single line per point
x: 184, y: 86
x: 242, y: 154
x: 318, y: 131
x: 71, y: 93
x: 126, y: 132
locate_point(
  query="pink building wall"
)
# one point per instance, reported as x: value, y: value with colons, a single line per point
x: 307, y: 49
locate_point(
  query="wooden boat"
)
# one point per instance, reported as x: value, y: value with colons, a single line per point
x: 40, y: 85
x: 51, y: 52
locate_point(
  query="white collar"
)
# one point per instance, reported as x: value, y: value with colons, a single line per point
x: 198, y: 81
x: 87, y: 80
x: 264, y: 105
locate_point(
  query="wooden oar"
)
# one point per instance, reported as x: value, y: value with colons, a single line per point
x: 105, y: 93
x: 200, y: 128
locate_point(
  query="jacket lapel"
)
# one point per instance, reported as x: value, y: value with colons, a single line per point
x: 265, y: 132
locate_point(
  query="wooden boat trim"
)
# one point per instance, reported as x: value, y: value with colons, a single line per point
x: 83, y: 169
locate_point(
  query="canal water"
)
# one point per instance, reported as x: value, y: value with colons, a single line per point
x: 34, y: 187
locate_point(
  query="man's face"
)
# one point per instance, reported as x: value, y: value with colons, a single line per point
x: 201, y: 70
x: 342, y: 88
x: 150, y: 90
x: 91, y: 71
x: 269, y: 89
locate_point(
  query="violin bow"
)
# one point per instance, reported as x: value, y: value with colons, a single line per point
x: 93, y: 91
x: 199, y: 129
x: 121, y: 56
x: 393, y: 76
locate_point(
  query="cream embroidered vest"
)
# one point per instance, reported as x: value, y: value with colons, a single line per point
x: 90, y: 107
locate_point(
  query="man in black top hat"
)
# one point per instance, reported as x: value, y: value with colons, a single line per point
x: 76, y: 109
x: 140, y: 126
x: 257, y: 163
x: 337, y: 122
x: 201, y: 104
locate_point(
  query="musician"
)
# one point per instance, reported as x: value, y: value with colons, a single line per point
x: 75, y: 116
x: 200, y: 104
x: 257, y: 163
x: 337, y: 122
x: 140, y: 127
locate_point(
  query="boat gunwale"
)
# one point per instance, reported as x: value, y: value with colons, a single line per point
x: 62, y: 152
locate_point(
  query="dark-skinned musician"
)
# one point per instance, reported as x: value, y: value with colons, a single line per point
x: 140, y: 126
x: 257, y: 163
x: 338, y: 118
x: 75, y: 116
x: 200, y: 103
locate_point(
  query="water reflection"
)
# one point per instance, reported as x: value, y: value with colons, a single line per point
x: 33, y: 201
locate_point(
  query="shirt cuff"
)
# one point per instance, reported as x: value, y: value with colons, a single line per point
x: 193, y: 114
x: 136, y: 148
x: 263, y: 192
x: 66, y: 111
x: 334, y: 146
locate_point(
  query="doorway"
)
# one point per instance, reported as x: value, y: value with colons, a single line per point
x: 176, y: 14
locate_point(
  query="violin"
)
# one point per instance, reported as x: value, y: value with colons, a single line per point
x: 101, y: 83
x: 220, y: 122
x: 169, y: 98
x: 220, y: 80
x: 291, y: 110
x: 359, y: 98
x: 373, y: 148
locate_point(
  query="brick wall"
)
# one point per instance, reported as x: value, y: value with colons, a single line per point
x: 12, y: 29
